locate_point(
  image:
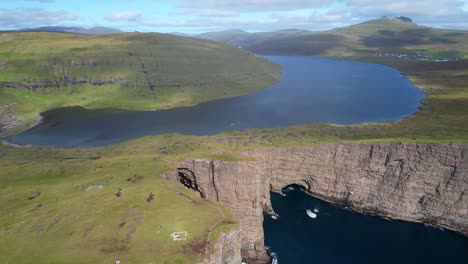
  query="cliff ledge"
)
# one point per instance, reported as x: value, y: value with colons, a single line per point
x: 424, y: 183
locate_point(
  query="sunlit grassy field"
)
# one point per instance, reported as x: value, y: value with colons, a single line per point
x: 49, y: 214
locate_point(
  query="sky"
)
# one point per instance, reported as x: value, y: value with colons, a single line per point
x: 197, y: 16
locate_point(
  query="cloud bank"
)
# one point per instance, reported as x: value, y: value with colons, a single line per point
x: 123, y: 16
x: 33, y: 17
x: 250, y: 15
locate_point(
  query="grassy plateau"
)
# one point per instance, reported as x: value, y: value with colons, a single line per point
x: 44, y: 70
x: 92, y: 205
x: 97, y: 205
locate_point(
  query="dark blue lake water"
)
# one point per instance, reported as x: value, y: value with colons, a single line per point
x: 310, y: 90
x: 339, y: 236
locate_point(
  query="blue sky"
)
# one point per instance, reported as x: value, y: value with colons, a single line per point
x: 195, y: 16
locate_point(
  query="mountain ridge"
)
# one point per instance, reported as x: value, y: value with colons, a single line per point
x: 76, y: 30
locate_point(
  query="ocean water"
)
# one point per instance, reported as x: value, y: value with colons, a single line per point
x: 339, y: 236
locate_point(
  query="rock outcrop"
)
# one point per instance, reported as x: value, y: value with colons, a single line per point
x: 227, y: 249
x: 9, y: 120
x: 413, y: 182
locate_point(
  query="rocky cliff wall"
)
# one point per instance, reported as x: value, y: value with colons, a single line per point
x: 413, y: 182
x: 227, y: 249
x: 9, y: 120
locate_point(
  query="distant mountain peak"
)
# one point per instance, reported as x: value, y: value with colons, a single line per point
x: 76, y: 30
x: 400, y: 18
x: 235, y: 31
x: 404, y: 19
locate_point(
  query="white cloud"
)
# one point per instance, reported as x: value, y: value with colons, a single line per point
x: 119, y: 16
x: 408, y: 8
x: 218, y: 13
x: 255, y: 5
x: 260, y: 14
x: 205, y: 13
x: 314, y: 21
x: 435, y: 13
x: 33, y: 17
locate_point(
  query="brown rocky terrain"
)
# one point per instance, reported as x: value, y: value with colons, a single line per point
x: 424, y: 183
x: 226, y: 250
x: 9, y: 119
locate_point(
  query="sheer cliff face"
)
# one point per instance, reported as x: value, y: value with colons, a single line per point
x: 413, y: 182
x: 226, y: 250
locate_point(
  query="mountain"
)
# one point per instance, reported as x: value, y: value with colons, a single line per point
x: 399, y: 37
x: 244, y: 39
x: 234, y: 37
x: 100, y: 31
x: 180, y: 34
x: 77, y: 30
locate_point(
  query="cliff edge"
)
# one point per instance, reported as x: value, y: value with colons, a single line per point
x: 424, y: 183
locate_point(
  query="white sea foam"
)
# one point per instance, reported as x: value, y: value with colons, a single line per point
x: 311, y: 214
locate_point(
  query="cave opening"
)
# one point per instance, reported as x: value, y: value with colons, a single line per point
x: 189, y: 180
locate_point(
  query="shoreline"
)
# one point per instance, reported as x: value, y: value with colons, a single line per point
x: 11, y: 144
x: 390, y: 122
x: 388, y: 217
x: 39, y: 120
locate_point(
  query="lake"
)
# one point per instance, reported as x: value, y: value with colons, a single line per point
x: 310, y: 90
x: 341, y: 236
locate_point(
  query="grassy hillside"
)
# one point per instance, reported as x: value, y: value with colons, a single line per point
x: 77, y: 30
x: 233, y: 37
x: 46, y: 213
x: 94, y: 205
x: 245, y: 39
x: 380, y: 35
x: 417, y: 52
x: 40, y: 70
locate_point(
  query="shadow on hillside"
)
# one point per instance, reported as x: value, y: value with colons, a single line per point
x: 392, y: 39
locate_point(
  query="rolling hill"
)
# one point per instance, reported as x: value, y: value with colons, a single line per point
x: 392, y: 36
x: 399, y: 35
x: 93, y: 205
x: 242, y: 38
x: 76, y: 30
x: 44, y: 70
x: 436, y: 60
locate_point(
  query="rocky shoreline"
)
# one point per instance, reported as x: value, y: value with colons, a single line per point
x: 424, y: 183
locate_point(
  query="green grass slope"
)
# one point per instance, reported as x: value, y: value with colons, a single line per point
x: 41, y: 70
x: 246, y: 39
x: 54, y: 210
x: 379, y: 35
x: 67, y: 224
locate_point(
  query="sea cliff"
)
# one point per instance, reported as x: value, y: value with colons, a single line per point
x: 226, y: 249
x: 424, y: 183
